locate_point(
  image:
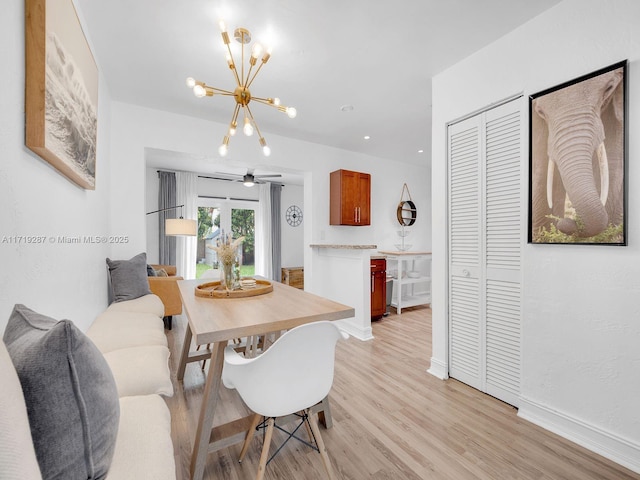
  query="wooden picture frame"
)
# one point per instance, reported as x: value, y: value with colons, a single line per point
x: 61, y: 90
x: 577, y: 160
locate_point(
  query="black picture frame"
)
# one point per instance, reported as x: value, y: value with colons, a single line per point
x: 578, y: 160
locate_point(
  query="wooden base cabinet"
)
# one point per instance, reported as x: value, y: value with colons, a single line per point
x: 350, y: 198
x: 378, y: 287
x: 293, y: 276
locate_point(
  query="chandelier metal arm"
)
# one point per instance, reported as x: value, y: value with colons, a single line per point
x: 230, y: 61
x: 234, y: 117
x: 234, y: 121
x: 241, y: 82
x: 219, y: 91
x: 249, y: 82
x: 245, y: 80
x: 253, y: 121
x: 266, y: 101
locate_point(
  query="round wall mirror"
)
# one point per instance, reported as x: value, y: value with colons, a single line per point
x: 406, y: 213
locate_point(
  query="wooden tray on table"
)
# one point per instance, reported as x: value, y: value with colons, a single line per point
x: 216, y: 290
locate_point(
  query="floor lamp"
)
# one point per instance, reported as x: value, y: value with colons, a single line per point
x: 178, y: 226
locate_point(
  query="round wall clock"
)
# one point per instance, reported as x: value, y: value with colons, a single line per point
x: 294, y: 215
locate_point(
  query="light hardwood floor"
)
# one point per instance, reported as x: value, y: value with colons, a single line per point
x: 392, y: 420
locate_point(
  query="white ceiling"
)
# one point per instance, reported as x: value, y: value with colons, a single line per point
x: 377, y: 56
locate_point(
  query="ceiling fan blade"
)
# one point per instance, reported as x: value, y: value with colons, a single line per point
x: 267, y: 176
x: 227, y: 174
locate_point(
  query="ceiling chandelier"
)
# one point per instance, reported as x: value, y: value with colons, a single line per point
x: 242, y: 94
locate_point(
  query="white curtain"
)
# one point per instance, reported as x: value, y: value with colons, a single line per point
x: 186, y: 247
x: 264, y: 264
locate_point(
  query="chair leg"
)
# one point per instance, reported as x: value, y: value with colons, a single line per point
x: 309, y: 432
x: 247, y: 439
x: 323, y: 451
x: 265, y: 449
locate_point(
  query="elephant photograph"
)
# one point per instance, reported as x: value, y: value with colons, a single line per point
x: 577, y: 153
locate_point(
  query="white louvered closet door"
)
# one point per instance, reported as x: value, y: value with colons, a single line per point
x: 485, y: 238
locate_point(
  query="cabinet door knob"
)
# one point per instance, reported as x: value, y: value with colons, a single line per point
x: 466, y: 273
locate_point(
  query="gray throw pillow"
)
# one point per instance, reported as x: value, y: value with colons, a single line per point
x: 71, y: 396
x: 129, y: 278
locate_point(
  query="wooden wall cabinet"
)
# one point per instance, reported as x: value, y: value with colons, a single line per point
x: 350, y: 197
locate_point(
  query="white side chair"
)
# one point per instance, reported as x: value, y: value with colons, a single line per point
x: 287, y: 379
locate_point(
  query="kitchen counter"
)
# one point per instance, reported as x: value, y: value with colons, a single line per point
x: 342, y: 273
x: 402, y: 253
x: 346, y: 247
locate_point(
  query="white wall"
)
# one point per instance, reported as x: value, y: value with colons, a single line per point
x: 135, y: 128
x: 581, y: 326
x: 56, y: 279
x: 292, y: 237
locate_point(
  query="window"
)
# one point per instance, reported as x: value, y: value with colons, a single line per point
x: 217, y: 215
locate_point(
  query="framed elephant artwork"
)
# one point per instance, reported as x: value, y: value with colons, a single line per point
x: 577, y: 149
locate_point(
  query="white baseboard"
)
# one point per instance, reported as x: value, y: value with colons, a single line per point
x: 620, y: 450
x: 350, y: 326
x: 438, y: 369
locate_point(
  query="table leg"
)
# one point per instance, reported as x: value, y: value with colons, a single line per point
x: 207, y: 410
x: 184, y: 356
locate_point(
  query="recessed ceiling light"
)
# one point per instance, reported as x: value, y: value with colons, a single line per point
x: 346, y: 108
x: 367, y: 137
x: 420, y: 151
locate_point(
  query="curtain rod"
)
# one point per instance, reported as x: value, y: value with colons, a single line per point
x: 224, y: 179
x: 229, y: 198
x: 231, y: 180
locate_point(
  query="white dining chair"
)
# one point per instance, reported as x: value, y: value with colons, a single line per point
x: 289, y: 378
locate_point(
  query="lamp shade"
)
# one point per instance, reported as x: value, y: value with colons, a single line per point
x: 180, y: 226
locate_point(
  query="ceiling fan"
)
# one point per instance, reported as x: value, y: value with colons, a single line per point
x: 248, y: 179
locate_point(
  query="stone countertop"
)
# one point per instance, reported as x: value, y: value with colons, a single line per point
x: 401, y: 253
x: 346, y: 247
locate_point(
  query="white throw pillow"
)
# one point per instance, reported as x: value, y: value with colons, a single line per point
x: 17, y: 455
x: 113, y: 330
x: 141, y: 370
x: 144, y: 448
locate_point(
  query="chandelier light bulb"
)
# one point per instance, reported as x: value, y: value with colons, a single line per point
x: 222, y: 25
x: 191, y: 82
x: 291, y: 112
x: 256, y: 50
x: 199, y: 91
x: 232, y: 129
x: 248, y: 128
x: 265, y: 148
x: 223, y: 150
x: 276, y: 101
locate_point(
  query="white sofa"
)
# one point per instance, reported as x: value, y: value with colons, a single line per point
x: 131, y: 337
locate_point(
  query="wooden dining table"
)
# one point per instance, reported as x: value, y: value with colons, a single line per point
x: 215, y: 321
